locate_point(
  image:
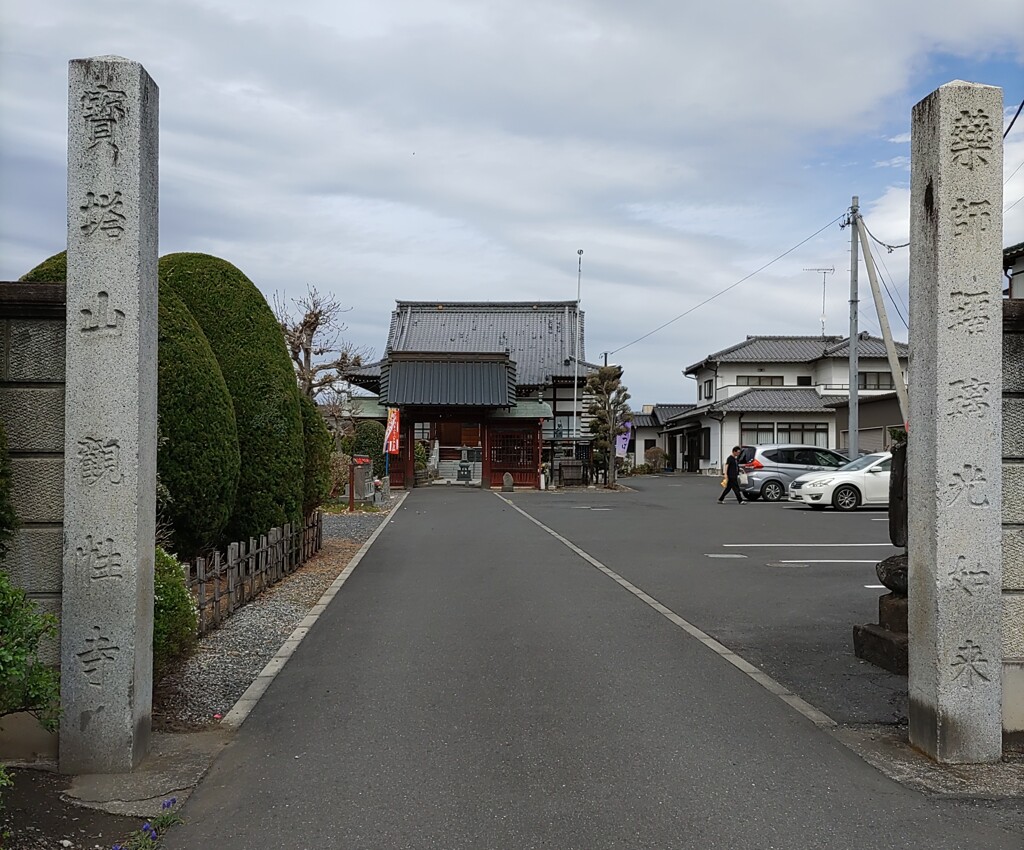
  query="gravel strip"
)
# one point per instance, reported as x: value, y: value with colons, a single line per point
x: 227, y: 660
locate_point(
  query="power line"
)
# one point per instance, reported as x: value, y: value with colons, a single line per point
x: 1012, y: 120
x: 889, y: 248
x: 731, y: 286
x: 1018, y: 168
x: 896, y: 306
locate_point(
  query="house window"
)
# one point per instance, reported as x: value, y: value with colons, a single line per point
x: 757, y: 433
x: 805, y: 433
x: 759, y: 381
x: 649, y: 444
x: 876, y: 381
x: 708, y: 388
x: 803, y: 381
x: 705, y: 444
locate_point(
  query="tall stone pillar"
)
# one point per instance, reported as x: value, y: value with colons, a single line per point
x: 954, y: 457
x: 110, y: 413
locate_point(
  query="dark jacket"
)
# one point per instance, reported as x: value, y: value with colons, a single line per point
x: 732, y: 468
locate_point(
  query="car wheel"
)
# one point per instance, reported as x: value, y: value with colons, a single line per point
x: 845, y: 498
x: 772, y: 491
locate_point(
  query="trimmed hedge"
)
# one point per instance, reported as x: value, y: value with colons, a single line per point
x: 250, y: 348
x: 198, y: 458
x: 174, y: 614
x: 319, y: 445
x: 369, y: 441
x: 51, y: 270
x: 8, y: 518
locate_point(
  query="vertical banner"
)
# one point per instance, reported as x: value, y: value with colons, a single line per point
x: 622, y: 440
x: 391, y: 433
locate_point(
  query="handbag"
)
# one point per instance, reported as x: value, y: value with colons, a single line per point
x: 742, y: 479
x: 725, y: 481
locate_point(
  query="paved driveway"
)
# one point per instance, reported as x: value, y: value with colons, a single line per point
x: 478, y: 684
x: 778, y: 583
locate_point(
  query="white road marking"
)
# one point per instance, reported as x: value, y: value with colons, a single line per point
x: 602, y: 509
x: 874, y: 586
x: 719, y: 555
x: 879, y: 519
x: 839, y: 561
x: 817, y: 717
x: 799, y: 545
x: 247, y: 701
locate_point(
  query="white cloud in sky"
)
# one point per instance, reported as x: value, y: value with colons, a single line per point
x: 466, y: 150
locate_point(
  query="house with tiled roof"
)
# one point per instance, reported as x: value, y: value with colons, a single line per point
x: 648, y: 431
x: 488, y: 387
x: 776, y: 389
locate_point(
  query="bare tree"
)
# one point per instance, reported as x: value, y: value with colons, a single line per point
x: 313, y: 331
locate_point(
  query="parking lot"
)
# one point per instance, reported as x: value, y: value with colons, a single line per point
x: 778, y: 583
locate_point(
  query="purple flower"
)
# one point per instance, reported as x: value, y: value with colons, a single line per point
x: 168, y: 803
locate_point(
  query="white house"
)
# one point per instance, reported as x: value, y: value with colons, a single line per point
x: 649, y: 432
x: 774, y: 389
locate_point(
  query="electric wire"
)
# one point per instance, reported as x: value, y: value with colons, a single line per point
x: 723, y: 291
x: 889, y: 248
x: 1012, y: 120
x: 893, y: 300
x: 1014, y: 174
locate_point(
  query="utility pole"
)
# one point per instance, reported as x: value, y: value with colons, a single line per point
x: 854, y: 421
x: 823, y: 273
x: 605, y: 355
x: 576, y: 350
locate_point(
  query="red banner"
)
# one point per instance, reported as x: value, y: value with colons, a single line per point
x: 391, y: 432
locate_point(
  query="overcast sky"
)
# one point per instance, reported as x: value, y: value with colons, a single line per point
x: 466, y: 149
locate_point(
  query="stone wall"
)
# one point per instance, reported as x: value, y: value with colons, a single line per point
x: 1013, y: 520
x: 32, y: 411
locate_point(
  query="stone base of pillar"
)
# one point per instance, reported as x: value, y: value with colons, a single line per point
x: 885, y: 644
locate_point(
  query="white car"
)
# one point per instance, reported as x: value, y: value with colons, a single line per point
x: 864, y: 481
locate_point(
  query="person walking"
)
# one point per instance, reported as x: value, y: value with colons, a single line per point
x: 732, y: 476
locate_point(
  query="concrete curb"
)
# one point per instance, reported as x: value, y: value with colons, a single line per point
x: 247, y: 702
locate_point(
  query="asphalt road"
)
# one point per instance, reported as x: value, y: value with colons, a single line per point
x: 477, y: 684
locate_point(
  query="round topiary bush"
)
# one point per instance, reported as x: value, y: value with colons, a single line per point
x: 174, y: 614
x: 249, y: 346
x: 51, y: 270
x: 198, y: 459
x: 369, y: 441
x: 319, y: 444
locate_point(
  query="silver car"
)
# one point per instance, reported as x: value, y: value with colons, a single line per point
x: 771, y: 468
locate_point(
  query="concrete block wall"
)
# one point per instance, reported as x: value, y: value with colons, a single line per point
x: 32, y: 411
x: 1013, y: 520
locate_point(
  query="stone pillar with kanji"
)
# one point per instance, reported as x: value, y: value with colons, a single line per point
x: 110, y: 412
x: 954, y: 452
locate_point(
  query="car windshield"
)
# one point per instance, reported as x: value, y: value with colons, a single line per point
x: 860, y: 463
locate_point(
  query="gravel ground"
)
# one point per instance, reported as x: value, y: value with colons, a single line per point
x: 205, y: 687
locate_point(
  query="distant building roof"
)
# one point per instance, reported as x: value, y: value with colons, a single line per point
x: 458, y: 380
x: 757, y: 400
x: 774, y: 400
x: 796, y: 349
x: 538, y: 336
x: 644, y: 420
x: 664, y: 412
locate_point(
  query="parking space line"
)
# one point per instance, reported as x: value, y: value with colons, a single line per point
x: 816, y: 716
x: 800, y: 545
x: 836, y: 561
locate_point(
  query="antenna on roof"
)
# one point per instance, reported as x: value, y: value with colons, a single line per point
x: 823, y: 273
